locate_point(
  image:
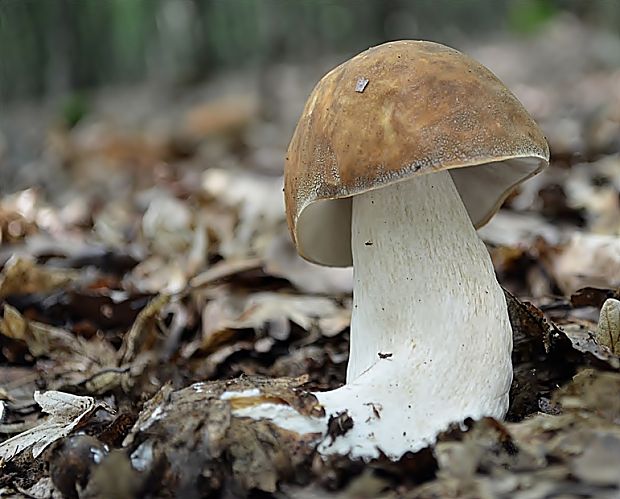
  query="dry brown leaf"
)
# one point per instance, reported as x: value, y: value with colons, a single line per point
x: 273, y: 312
x: 65, y: 411
x: 98, y: 143
x: 608, y: 331
x: 282, y: 260
x: 159, y: 275
x: 16, y: 216
x: 259, y: 204
x: 225, y: 269
x: 111, y: 224
x: 592, y: 391
x: 21, y: 275
x: 229, y: 114
x: 599, y: 199
x: 144, y: 330
x: 167, y: 225
x: 509, y: 228
x: 599, y: 462
x: 585, y: 342
x: 41, y: 339
x: 588, y: 260
x: 76, y: 360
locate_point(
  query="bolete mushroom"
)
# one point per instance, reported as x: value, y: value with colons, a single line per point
x: 401, y: 152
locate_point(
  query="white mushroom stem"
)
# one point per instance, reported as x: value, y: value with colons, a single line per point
x: 430, y: 337
x: 425, y: 287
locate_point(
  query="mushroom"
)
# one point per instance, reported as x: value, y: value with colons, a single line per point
x: 400, y: 154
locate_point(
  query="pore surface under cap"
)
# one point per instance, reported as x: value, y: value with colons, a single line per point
x: 425, y: 108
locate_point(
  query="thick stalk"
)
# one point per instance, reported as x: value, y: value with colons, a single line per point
x: 430, y: 337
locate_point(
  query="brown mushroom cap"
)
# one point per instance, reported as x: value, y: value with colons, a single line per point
x: 395, y: 111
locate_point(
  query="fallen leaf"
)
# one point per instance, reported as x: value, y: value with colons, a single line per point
x: 282, y: 260
x: 21, y: 275
x: 272, y: 312
x: 509, y: 228
x: 76, y: 360
x: 598, y: 464
x: 608, y: 331
x: 584, y: 341
x: 588, y: 260
x: 225, y: 269
x: 260, y: 213
x: 167, y: 225
x: 592, y: 297
x: 144, y: 329
x: 42, y: 339
x: 223, y: 116
x: 65, y: 411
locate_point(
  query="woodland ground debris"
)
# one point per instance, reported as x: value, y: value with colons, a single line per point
x: 99, y: 307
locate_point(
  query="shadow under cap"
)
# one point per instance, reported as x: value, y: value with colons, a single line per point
x: 425, y: 108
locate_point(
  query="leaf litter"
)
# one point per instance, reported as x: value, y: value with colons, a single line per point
x: 65, y: 413
x: 154, y: 274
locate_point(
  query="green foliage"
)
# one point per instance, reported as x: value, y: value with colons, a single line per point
x: 528, y: 16
x: 74, y: 109
x: 55, y: 47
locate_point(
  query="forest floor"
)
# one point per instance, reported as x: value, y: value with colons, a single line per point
x: 145, y: 249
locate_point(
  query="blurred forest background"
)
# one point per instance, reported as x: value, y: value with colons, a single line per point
x: 143, y: 243
x: 55, y: 55
x: 53, y: 47
x: 146, y: 62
